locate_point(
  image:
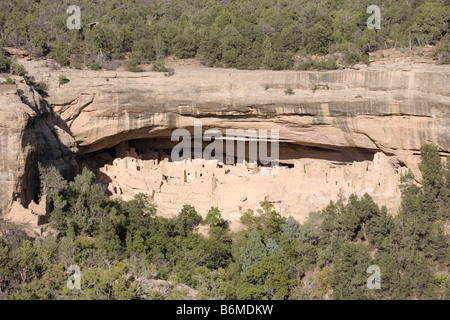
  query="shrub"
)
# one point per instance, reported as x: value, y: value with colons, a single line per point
x: 41, y: 87
x: 442, y: 52
x: 170, y: 72
x: 63, y: 79
x: 19, y: 69
x: 159, y: 66
x: 112, y: 64
x: 353, y: 56
x: 5, y: 64
x: 316, y: 86
x: 133, y: 64
x: 329, y: 64
x: 9, y: 81
x: 289, y: 91
x: 95, y: 66
x: 77, y: 66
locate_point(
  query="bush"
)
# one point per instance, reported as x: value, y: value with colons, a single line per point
x: 170, y: 72
x: 133, y: 64
x: 8, y: 81
x: 353, y: 56
x: 19, y: 69
x: 41, y: 87
x: 159, y: 66
x: 95, y: 66
x: 329, y: 64
x: 77, y: 66
x: 442, y: 52
x: 112, y: 64
x: 63, y: 79
x: 289, y: 91
x: 5, y: 64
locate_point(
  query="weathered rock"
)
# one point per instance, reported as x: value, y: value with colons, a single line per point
x: 341, y: 115
x: 29, y: 134
x: 378, y: 108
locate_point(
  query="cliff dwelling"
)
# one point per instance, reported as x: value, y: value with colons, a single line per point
x: 305, y: 179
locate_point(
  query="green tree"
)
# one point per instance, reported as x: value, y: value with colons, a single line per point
x: 349, y: 272
x: 253, y: 252
x: 187, y: 220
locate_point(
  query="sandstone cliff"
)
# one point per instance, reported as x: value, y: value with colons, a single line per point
x: 29, y: 133
x: 338, y: 116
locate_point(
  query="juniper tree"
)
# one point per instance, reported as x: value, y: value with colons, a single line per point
x: 253, y: 252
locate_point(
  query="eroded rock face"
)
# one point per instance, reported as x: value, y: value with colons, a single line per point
x: 338, y: 116
x: 29, y: 134
x: 390, y: 109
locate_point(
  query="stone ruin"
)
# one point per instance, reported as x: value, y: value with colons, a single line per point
x: 306, y: 186
x: 33, y: 219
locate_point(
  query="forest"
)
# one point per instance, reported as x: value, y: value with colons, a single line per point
x: 243, y: 34
x: 124, y: 250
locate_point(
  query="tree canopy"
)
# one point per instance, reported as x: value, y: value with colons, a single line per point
x: 246, y: 34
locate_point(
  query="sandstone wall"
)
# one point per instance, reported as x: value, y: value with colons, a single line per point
x: 392, y: 109
x: 29, y: 134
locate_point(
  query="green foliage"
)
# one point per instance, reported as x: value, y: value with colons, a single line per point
x: 265, y: 280
x: 187, y: 220
x: 159, y: 66
x: 80, y: 205
x: 349, y: 272
x: 42, y: 88
x: 63, y: 79
x: 442, y: 51
x: 243, y: 34
x: 95, y: 66
x: 353, y: 55
x: 289, y: 91
x: 5, y: 64
x: 309, y: 64
x: 18, y: 69
x: 126, y: 251
x: 133, y: 63
x: 253, y: 252
x: 9, y: 81
x: 170, y: 72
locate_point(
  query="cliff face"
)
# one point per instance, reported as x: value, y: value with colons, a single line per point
x: 340, y: 116
x: 29, y: 134
x: 394, y: 109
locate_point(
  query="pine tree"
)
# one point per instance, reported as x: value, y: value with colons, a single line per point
x: 253, y: 252
x: 291, y: 228
x: 432, y: 179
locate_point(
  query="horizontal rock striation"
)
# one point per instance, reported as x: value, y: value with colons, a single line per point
x: 340, y: 116
x: 29, y: 134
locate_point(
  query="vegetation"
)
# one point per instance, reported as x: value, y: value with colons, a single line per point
x: 122, y: 246
x: 246, y: 34
x: 5, y: 64
x: 63, y: 79
x: 289, y: 91
x: 133, y: 64
x: 18, y: 69
x: 41, y: 87
x: 8, y: 80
